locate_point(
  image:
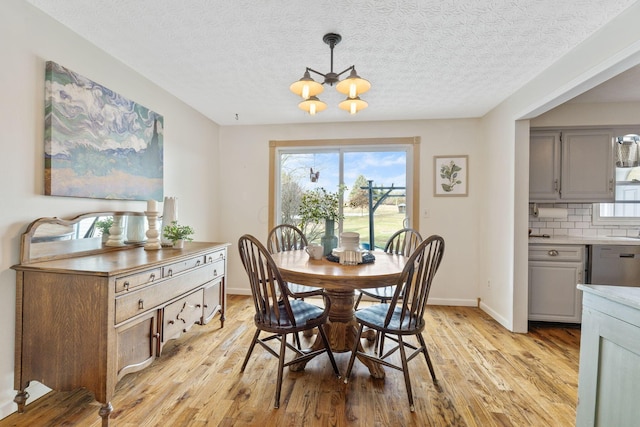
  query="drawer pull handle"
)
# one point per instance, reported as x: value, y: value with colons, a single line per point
x: 156, y: 336
x: 553, y: 252
x: 170, y: 273
x: 198, y: 263
x: 152, y: 277
x: 171, y: 322
x: 206, y: 306
x: 215, y: 272
x: 140, y: 304
x: 221, y: 255
x: 126, y: 286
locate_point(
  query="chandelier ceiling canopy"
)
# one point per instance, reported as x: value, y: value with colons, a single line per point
x: 352, y: 86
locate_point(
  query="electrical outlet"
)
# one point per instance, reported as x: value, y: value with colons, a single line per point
x: 488, y: 283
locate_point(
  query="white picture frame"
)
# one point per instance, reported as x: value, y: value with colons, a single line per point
x: 451, y: 176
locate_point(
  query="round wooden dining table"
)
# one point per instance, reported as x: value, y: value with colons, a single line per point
x: 340, y: 282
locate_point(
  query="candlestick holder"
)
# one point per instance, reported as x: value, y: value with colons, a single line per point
x: 153, y: 243
x: 116, y: 232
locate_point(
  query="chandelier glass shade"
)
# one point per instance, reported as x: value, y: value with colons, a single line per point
x: 352, y: 86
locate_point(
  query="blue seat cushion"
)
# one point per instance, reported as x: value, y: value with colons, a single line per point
x: 303, y: 312
x: 375, y: 316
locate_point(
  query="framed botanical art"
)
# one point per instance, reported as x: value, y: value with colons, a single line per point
x: 451, y: 175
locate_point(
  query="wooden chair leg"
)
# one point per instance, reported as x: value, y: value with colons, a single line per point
x: 327, y: 347
x: 380, y: 338
x: 253, y: 344
x: 296, y: 338
x: 426, y: 356
x: 283, y: 349
x: 405, y: 371
x: 354, y: 353
x: 355, y: 306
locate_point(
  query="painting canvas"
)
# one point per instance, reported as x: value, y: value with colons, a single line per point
x: 99, y: 144
x: 451, y: 175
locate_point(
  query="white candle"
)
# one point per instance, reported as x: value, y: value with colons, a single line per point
x: 152, y: 206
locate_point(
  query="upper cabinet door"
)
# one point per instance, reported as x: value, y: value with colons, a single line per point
x: 544, y: 166
x: 587, y: 166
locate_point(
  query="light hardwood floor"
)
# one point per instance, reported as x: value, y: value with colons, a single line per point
x: 487, y: 376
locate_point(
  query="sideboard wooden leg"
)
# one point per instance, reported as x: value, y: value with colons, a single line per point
x: 21, y: 400
x: 104, y: 412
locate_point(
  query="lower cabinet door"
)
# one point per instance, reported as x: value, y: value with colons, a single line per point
x: 137, y: 344
x: 180, y: 315
x: 553, y: 293
x: 212, y: 301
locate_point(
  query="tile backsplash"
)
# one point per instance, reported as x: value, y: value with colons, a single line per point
x: 578, y: 223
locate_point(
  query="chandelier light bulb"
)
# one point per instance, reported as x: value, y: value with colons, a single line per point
x: 353, y: 90
x: 305, y: 91
x: 353, y: 105
x: 312, y: 105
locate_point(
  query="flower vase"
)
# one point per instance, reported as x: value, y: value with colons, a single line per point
x: 329, y: 241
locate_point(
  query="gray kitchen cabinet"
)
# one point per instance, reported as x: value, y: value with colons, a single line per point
x: 554, y: 272
x: 572, y: 166
x: 544, y: 165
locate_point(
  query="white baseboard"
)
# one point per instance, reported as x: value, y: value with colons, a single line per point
x: 497, y: 317
x: 453, y: 302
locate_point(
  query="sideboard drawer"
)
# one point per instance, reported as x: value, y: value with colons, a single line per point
x: 180, y: 315
x: 218, y: 268
x: 139, y: 301
x: 178, y: 267
x: 133, y: 281
x: 216, y: 256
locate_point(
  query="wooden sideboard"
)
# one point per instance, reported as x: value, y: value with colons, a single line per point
x: 88, y: 319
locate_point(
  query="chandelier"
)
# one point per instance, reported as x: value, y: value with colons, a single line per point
x: 352, y: 86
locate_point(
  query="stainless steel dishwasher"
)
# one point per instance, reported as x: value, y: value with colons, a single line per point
x: 615, y: 265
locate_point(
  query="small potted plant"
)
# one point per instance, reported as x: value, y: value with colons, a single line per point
x: 104, y: 225
x: 177, y: 233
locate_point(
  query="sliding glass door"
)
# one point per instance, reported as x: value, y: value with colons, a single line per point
x: 372, y: 182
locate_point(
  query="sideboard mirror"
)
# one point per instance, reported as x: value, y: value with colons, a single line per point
x: 52, y: 238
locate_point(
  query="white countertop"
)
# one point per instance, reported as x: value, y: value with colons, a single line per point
x: 626, y: 295
x: 584, y: 240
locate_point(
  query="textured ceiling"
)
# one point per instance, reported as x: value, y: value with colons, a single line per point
x: 425, y: 58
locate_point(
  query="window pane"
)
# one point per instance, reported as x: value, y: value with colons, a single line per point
x: 296, y: 171
x: 385, y: 170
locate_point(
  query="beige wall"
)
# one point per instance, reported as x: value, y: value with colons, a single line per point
x: 455, y: 218
x: 191, y: 144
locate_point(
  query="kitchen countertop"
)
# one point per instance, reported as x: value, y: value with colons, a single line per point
x: 625, y: 295
x: 584, y: 240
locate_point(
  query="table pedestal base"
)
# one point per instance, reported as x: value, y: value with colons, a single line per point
x: 341, y: 329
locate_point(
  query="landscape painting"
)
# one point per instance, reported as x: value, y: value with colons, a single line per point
x: 99, y: 144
